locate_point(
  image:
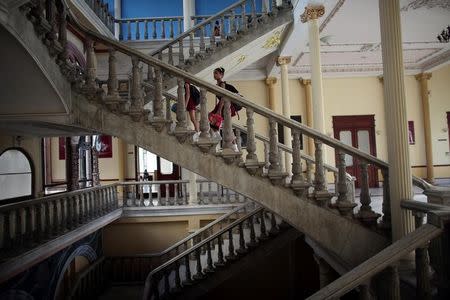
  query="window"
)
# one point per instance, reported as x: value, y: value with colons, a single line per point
x: 16, y: 176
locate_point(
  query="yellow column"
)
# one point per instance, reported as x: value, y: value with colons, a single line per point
x: 423, y: 78
x: 309, y: 114
x: 283, y: 62
x: 271, y: 81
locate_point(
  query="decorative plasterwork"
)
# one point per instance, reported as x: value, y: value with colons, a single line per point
x: 312, y: 12
x: 283, y: 60
x: 273, y: 41
x: 416, y: 4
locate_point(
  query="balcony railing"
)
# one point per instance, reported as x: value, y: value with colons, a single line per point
x: 101, y: 9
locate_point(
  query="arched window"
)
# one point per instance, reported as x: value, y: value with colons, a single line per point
x: 16, y: 175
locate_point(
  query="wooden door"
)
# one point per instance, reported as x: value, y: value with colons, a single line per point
x: 359, y: 132
x: 167, y: 170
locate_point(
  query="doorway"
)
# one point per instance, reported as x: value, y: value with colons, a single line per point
x: 359, y: 132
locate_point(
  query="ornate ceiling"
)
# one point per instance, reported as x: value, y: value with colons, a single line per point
x: 350, y: 34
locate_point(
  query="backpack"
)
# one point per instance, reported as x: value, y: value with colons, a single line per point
x: 232, y: 89
x: 195, y: 94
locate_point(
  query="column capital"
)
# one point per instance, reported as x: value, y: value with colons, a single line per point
x: 305, y: 81
x: 312, y: 12
x: 271, y: 81
x: 423, y: 76
x: 283, y: 60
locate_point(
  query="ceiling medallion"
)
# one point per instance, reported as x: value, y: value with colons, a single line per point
x: 273, y: 41
x: 416, y: 4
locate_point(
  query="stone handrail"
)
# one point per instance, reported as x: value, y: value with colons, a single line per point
x: 197, y: 27
x: 91, y: 282
x: 155, y: 32
x: 134, y: 193
x: 418, y: 240
x: 101, y: 9
x: 161, y: 118
x: 162, y: 272
x: 29, y: 223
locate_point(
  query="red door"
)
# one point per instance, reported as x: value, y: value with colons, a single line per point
x: 167, y: 170
x: 359, y: 132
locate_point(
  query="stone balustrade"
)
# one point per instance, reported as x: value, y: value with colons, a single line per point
x: 214, y: 31
x: 27, y: 224
x: 139, y: 29
x: 176, y: 192
x: 430, y: 242
x: 135, y: 269
x: 101, y: 9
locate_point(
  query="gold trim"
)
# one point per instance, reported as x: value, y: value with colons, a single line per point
x: 273, y: 41
x: 283, y: 60
x: 312, y: 12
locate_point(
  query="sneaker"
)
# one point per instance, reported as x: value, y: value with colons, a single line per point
x: 196, y: 136
x: 216, y: 135
x: 234, y: 147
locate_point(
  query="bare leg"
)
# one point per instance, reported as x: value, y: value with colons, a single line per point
x: 194, y: 121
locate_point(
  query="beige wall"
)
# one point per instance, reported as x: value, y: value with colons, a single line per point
x: 129, y: 236
x: 364, y: 95
x: 32, y: 146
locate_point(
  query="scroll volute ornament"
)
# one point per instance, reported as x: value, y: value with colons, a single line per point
x: 312, y: 12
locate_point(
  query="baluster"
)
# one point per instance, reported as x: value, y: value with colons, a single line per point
x: 204, y: 123
x: 150, y: 194
x: 50, y: 13
x: 309, y: 169
x: 181, y: 126
x: 185, y: 193
x: 220, y: 261
x: 133, y: 195
x: 62, y: 33
x: 423, y: 288
x: 180, y: 26
x: 263, y: 235
x: 19, y: 228
x: 266, y: 157
x: 212, y: 37
x: 265, y: 8
x: 167, y: 195
x: 93, y: 204
x: 56, y: 221
x: 138, y: 31
x: 154, y: 29
x: 157, y: 101
x: 274, y: 5
x: 166, y: 282
x: 298, y: 183
x: 141, y: 195
x: 7, y: 232
x: 227, y: 127
x: 170, y: 61
x: 201, y: 198
x: 146, y: 29
x: 243, y: 18
x: 366, y: 214
x: 137, y: 100
x: 162, y: 203
x: 40, y: 222
x: 236, y: 197
x: 48, y: 220
x: 209, y: 264
x: 191, y: 45
x: 29, y: 217
x: 241, y: 250
x: 199, y: 275
x: 210, y: 192
x: 129, y: 30
x: 219, y: 193
x: 202, y: 40
x: 175, y: 194
x: 120, y: 30
x: 163, y: 29
x: 321, y: 194
x: 231, y: 255
x: 273, y: 225
x: 180, y: 52
x: 188, y: 280
x: 232, y: 21
x: 253, y: 8
x: 343, y: 204
x: 90, y: 65
x: 275, y: 171
x: 386, y: 220
x: 222, y: 28
x: 171, y: 28
x: 251, y: 224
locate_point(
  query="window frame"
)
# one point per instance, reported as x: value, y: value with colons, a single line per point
x: 33, y: 179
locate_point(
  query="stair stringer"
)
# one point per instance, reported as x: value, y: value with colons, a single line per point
x: 345, y: 237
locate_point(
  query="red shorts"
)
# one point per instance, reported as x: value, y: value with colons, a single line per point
x: 190, y: 105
